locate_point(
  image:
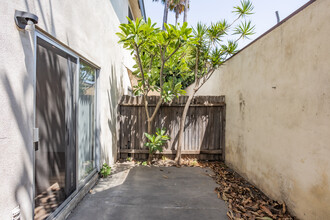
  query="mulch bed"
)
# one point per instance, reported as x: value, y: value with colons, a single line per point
x: 244, y: 200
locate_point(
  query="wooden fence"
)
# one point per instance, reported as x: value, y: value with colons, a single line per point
x: 204, y: 135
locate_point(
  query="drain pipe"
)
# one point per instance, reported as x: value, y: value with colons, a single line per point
x: 30, y: 28
x: 26, y: 21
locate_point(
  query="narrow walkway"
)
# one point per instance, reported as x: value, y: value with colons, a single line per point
x: 144, y: 193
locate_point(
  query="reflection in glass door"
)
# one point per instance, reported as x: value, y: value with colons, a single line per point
x: 55, y: 156
x: 86, y: 119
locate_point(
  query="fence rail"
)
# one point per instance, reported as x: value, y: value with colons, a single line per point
x: 204, y: 134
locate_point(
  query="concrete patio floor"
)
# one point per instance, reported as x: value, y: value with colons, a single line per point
x: 143, y: 193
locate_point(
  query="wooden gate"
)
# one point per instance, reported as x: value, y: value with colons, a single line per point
x: 204, y: 134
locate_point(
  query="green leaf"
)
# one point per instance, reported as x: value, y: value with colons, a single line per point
x: 246, y: 8
x: 244, y: 29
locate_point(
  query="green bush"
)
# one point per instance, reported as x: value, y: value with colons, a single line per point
x: 156, y: 142
x: 105, y: 170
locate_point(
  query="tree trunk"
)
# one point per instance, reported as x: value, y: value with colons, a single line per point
x: 149, y: 132
x: 182, y: 124
x: 165, y: 13
x: 176, y: 16
x: 149, y: 127
x: 185, y: 111
x: 185, y: 11
x: 149, y: 158
x: 150, y: 120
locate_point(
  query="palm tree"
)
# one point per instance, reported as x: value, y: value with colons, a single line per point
x: 178, y: 7
x: 166, y: 6
x: 185, y: 14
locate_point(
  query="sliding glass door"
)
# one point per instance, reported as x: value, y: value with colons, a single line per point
x: 55, y: 156
x: 65, y: 114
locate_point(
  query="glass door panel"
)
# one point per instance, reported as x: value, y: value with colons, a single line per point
x: 55, y: 156
x: 86, y: 119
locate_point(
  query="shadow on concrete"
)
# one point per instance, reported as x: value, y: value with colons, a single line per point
x: 154, y: 193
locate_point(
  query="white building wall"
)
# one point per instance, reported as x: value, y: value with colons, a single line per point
x: 87, y: 27
x: 278, y: 112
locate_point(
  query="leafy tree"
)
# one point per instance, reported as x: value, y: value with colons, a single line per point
x: 209, y: 51
x: 156, y: 53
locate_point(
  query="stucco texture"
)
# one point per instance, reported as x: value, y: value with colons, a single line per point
x: 87, y: 27
x: 278, y: 112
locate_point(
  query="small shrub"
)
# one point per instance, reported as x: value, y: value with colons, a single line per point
x: 194, y: 163
x: 157, y: 141
x: 129, y: 159
x: 144, y: 163
x: 105, y: 170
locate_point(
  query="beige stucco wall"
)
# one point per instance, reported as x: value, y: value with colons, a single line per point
x: 89, y: 28
x: 278, y: 112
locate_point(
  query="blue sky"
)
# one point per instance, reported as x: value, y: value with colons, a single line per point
x: 208, y: 11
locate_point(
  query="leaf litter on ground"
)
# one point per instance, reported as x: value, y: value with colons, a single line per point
x: 244, y: 201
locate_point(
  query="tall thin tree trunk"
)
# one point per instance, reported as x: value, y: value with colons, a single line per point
x: 185, y: 11
x: 176, y: 16
x: 185, y: 111
x: 182, y: 124
x: 149, y: 127
x: 165, y: 13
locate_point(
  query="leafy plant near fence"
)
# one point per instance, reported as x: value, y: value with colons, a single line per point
x: 156, y: 142
x: 105, y: 170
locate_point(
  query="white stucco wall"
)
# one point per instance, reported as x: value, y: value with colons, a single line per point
x: 87, y: 27
x: 278, y: 112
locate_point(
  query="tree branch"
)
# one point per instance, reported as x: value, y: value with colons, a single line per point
x: 146, y: 105
x: 196, y: 67
x: 145, y: 93
x: 137, y: 56
x: 151, y: 60
x: 176, y: 49
x: 157, y: 108
x: 233, y: 22
x: 205, y: 78
x: 163, y: 60
x: 149, y: 70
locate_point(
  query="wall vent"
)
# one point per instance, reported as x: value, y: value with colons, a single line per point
x: 16, y: 213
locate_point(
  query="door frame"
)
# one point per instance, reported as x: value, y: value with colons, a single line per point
x: 79, y: 184
x: 75, y: 99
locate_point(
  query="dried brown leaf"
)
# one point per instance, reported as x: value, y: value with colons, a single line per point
x: 224, y: 197
x: 230, y: 214
x: 246, y: 201
x: 265, y: 209
x: 264, y: 218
